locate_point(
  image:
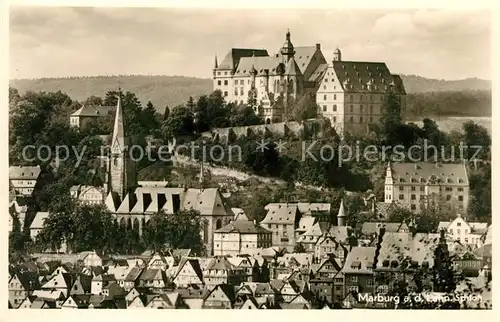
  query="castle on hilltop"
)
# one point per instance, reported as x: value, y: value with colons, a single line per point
x: 349, y: 93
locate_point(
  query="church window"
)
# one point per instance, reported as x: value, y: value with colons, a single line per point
x: 115, y: 161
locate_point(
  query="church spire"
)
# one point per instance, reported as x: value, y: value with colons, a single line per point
x: 118, y: 140
x: 341, y: 214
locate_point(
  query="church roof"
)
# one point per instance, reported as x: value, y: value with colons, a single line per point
x: 234, y: 55
x: 303, y: 56
x: 291, y: 68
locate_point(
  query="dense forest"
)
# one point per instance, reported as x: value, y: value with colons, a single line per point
x: 429, y: 97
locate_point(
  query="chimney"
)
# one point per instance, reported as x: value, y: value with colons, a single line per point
x: 318, y: 46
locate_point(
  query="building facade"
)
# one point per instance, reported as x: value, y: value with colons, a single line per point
x: 351, y: 94
x: 422, y: 184
x: 89, y: 113
x: 467, y: 233
x: 22, y: 180
x: 241, y: 237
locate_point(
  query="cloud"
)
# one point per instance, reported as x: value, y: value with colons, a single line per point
x: 92, y: 41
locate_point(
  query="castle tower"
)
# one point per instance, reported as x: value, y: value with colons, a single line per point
x: 287, y: 51
x: 337, y: 55
x: 118, y: 162
x: 341, y: 214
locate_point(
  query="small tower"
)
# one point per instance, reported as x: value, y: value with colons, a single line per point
x: 341, y: 214
x: 216, y: 65
x: 287, y: 51
x: 389, y: 184
x: 337, y: 55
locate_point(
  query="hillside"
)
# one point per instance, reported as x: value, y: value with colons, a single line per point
x: 160, y: 90
x: 417, y: 84
x: 175, y: 90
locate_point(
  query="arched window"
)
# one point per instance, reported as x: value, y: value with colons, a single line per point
x: 218, y: 224
x: 115, y: 161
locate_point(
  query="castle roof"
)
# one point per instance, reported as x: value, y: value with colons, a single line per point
x: 233, y: 57
x: 260, y: 63
x: 354, y: 76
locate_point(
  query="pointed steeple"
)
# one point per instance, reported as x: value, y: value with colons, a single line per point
x: 118, y: 139
x: 341, y: 214
x: 216, y: 63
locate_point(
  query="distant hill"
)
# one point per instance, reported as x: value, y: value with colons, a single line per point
x: 417, y: 84
x: 160, y: 90
x: 175, y: 90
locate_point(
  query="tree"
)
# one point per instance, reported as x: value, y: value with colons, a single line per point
x: 299, y: 248
x: 179, y: 123
x: 390, y: 118
x: 476, y: 138
x: 480, y: 194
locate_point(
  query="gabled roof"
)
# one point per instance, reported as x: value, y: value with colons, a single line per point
x: 206, y: 201
x: 280, y: 213
x: 243, y: 227
x: 292, y: 68
x: 358, y: 74
x: 195, y: 264
x: 39, y: 219
x: 94, y: 110
x: 24, y: 172
x: 359, y: 260
x: 303, y: 56
x: 220, y: 264
x: 308, y: 208
x: 233, y: 57
x: 446, y: 173
x: 151, y: 274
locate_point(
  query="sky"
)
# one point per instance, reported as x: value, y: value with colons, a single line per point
x: 65, y: 41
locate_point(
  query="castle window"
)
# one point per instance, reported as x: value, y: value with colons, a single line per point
x: 324, y: 108
x: 361, y: 97
x: 241, y: 91
x: 350, y: 97
x: 371, y: 98
x: 351, y: 120
x: 413, y: 207
x: 324, y: 87
x: 218, y: 73
x: 371, y: 119
x: 361, y: 109
x: 226, y: 82
x: 460, y: 198
x: 335, y: 107
x: 324, y: 97
x: 413, y: 197
x: 371, y: 109
x: 334, y: 119
x: 361, y: 120
x: 236, y: 92
x: 235, y: 82
x: 333, y: 80
x: 242, y: 82
x: 219, y: 82
x: 326, y: 80
x: 334, y: 96
x: 352, y: 108
x: 401, y: 197
x: 225, y: 93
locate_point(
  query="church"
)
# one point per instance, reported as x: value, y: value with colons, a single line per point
x: 134, y: 206
x: 349, y: 94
